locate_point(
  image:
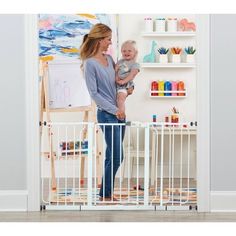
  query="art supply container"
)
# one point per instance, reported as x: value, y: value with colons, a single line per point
x: 154, y: 87
x: 174, y: 87
x: 163, y: 58
x: 154, y: 118
x: 175, y: 118
x: 180, y: 87
x: 148, y: 24
x: 166, y: 120
x: 160, y: 25
x: 172, y: 25
x: 190, y: 58
x: 176, y: 58
x: 167, y: 87
x: 161, y: 87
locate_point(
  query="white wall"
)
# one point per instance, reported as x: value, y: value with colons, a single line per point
x: 13, y: 104
x: 223, y: 112
x: 140, y: 106
x: 13, y: 161
x: 222, y: 119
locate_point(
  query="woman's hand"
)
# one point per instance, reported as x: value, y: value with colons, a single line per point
x: 120, y: 115
x: 117, y: 67
x: 120, y: 81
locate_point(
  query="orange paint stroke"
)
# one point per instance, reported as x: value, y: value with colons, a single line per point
x: 46, y: 58
x: 70, y: 50
x: 88, y: 16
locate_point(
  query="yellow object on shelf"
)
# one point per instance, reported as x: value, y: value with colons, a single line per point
x: 161, y: 87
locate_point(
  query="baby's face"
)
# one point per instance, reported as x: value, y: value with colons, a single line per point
x: 128, y: 52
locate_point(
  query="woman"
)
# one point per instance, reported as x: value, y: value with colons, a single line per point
x: 99, y: 72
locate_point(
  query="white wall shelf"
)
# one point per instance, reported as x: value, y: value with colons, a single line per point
x: 151, y: 96
x: 169, y: 34
x: 165, y: 91
x: 167, y: 96
x: 168, y: 65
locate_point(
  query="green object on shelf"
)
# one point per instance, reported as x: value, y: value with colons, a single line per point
x: 151, y: 57
x: 190, y: 50
x: 163, y: 50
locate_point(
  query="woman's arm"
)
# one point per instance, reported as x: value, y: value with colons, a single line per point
x: 89, y: 73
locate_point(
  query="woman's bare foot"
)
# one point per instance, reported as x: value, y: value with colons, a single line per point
x: 108, y: 199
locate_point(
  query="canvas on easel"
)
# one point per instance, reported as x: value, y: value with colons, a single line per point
x: 63, y: 89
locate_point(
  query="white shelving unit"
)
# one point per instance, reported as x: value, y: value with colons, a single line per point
x: 169, y: 34
x: 168, y: 65
x: 165, y: 91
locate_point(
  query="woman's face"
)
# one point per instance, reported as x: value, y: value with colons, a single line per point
x: 105, y: 43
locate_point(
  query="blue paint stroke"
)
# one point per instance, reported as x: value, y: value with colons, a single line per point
x: 78, y: 24
x: 53, y: 34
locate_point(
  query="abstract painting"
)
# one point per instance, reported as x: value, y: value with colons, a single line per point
x: 60, y: 36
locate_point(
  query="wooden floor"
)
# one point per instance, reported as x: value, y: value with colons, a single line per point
x: 116, y: 216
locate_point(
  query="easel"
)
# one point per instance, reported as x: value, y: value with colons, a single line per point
x: 44, y: 107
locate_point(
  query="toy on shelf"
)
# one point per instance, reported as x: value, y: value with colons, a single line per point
x: 148, y: 24
x: 163, y: 50
x: 154, y: 87
x: 162, y: 88
x: 172, y: 25
x: 175, y: 52
x: 73, y: 148
x: 151, y: 57
x: 190, y: 51
x: 180, y: 87
x: 154, y: 118
x: 175, y: 115
x: 163, y: 58
x: 185, y: 25
x: 160, y: 25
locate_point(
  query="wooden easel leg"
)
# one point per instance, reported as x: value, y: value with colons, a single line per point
x: 82, y: 166
x: 53, y: 176
x: 46, y: 105
x: 98, y: 159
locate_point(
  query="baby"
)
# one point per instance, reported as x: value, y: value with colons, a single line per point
x: 126, y: 70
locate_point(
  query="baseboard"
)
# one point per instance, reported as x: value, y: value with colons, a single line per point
x: 13, y: 200
x: 223, y: 201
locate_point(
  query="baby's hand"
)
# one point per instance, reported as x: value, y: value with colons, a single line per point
x: 117, y: 67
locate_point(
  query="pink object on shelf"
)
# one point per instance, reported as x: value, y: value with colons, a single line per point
x: 174, y: 88
x: 185, y: 25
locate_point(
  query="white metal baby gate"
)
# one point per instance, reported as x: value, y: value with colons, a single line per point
x: 158, y: 170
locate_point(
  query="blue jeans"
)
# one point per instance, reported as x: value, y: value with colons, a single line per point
x: 114, y: 136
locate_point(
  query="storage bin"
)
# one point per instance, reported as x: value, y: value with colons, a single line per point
x: 172, y: 25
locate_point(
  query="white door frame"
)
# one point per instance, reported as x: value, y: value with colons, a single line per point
x: 32, y: 112
x: 203, y: 111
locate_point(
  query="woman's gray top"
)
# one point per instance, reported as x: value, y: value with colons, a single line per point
x: 101, y: 85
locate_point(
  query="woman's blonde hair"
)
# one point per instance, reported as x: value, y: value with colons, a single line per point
x: 90, y: 44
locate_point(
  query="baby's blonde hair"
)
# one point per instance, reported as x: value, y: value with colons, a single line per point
x: 133, y: 44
